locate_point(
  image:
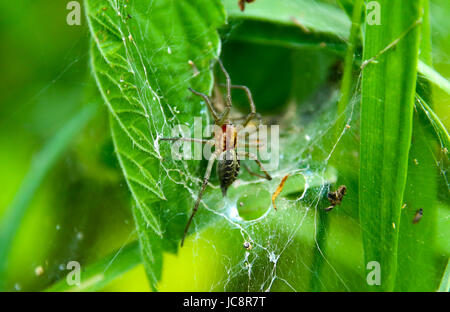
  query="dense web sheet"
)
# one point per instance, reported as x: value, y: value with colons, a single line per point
x: 275, y: 234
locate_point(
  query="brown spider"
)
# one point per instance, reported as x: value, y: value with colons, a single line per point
x: 225, y: 144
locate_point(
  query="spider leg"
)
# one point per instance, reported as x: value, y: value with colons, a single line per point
x: 252, y: 172
x: 200, y: 194
x: 208, y: 102
x: 252, y: 156
x: 188, y: 140
x: 227, y: 109
x: 257, y: 116
x: 252, y: 113
x: 248, y: 137
x: 228, y: 85
x: 251, y: 144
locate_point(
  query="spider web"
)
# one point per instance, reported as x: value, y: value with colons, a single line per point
x: 275, y: 234
x: 294, y: 236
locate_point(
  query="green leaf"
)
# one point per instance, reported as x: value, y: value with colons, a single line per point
x: 42, y: 163
x: 141, y: 58
x: 150, y: 246
x: 388, y: 91
x: 288, y: 23
x: 307, y: 14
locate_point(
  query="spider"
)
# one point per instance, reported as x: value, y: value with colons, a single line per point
x: 225, y: 144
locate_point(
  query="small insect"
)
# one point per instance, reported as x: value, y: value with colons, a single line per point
x: 336, y: 197
x: 418, y: 216
x: 225, y: 144
x: 247, y: 245
x: 241, y: 4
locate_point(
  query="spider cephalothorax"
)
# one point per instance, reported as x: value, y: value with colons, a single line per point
x: 225, y: 144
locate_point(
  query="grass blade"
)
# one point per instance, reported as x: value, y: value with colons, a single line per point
x: 416, y: 241
x: 41, y: 165
x: 439, y: 128
x: 388, y: 93
x: 434, y: 76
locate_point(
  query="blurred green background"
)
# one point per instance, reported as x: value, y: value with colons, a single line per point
x: 81, y: 210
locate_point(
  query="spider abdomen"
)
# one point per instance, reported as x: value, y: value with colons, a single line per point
x: 228, y: 165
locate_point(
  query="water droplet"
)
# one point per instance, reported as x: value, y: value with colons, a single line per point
x: 39, y: 270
